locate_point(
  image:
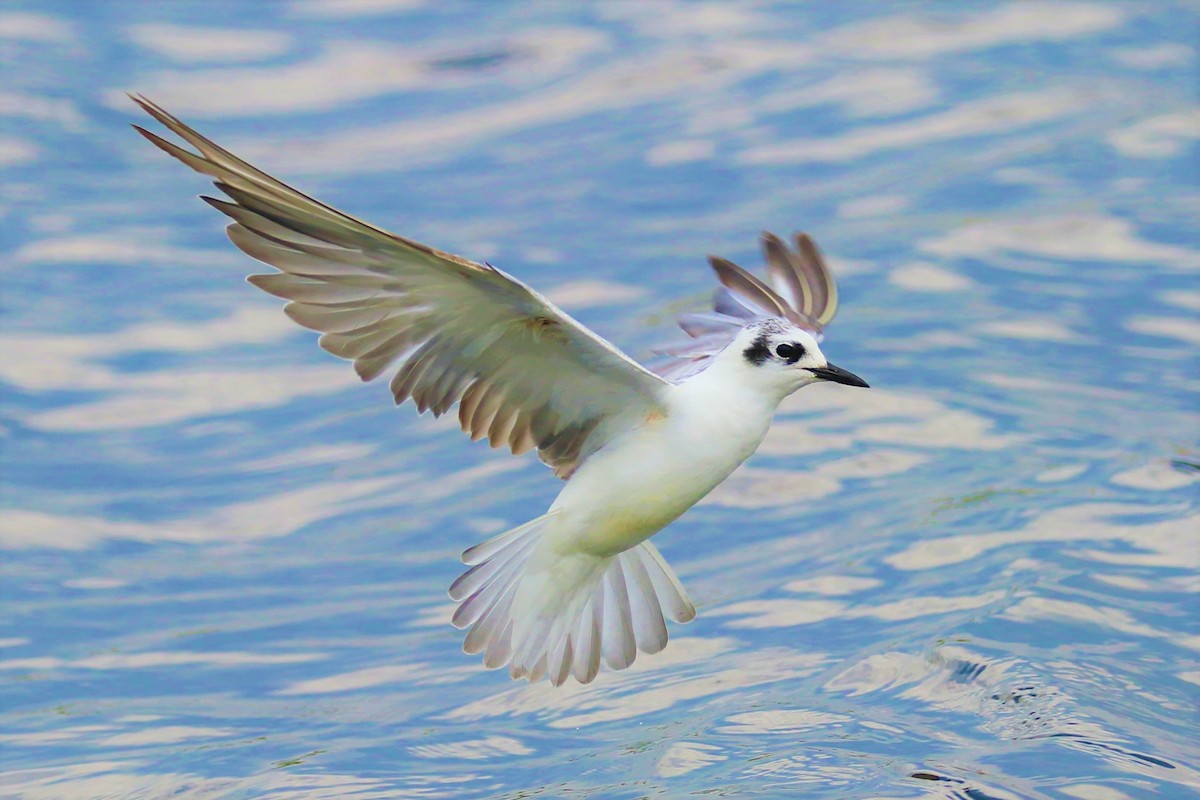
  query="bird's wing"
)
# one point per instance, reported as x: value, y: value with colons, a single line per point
x: 799, y: 288
x: 452, y: 331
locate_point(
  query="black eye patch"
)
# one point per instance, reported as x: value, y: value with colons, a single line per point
x: 791, y: 353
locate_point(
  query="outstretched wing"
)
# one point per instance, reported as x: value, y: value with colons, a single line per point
x: 524, y: 374
x: 800, y: 289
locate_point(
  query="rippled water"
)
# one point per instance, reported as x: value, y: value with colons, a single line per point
x: 224, y: 561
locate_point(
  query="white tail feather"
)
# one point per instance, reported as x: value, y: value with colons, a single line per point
x: 485, y: 550
x: 619, y: 647
x: 667, y: 587
x: 556, y: 616
x: 649, y: 627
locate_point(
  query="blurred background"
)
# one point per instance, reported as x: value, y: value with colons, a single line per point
x: 223, y: 560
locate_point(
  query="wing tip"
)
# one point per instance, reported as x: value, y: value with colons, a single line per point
x: 152, y: 108
x: 153, y: 138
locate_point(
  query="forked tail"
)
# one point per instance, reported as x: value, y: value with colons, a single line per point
x: 556, y: 616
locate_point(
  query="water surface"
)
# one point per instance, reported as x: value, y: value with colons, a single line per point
x: 223, y: 560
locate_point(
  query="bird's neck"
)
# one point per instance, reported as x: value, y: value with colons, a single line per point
x: 733, y: 394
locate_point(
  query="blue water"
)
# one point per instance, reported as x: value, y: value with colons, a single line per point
x: 223, y: 561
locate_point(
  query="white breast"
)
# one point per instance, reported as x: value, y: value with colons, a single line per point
x: 642, y: 481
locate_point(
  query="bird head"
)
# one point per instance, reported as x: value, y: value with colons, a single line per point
x: 784, y: 357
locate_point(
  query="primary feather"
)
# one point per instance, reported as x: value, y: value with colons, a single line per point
x: 450, y: 330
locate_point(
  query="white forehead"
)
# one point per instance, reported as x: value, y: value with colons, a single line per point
x: 778, y: 330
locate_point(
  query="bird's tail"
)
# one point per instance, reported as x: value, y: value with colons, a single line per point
x: 548, y: 614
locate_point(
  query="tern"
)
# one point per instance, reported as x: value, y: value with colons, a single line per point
x: 581, y: 584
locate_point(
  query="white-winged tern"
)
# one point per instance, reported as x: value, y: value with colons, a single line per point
x: 637, y: 447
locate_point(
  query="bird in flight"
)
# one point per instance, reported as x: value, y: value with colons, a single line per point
x: 581, y: 584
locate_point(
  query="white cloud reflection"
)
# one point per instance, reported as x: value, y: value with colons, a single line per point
x: 171, y: 396
x: 136, y: 779
x: 834, y: 585
x: 787, y: 613
x: 973, y: 118
x: 1035, y: 609
x: 166, y: 734
x: 1038, y: 330
x: 1182, y: 298
x: 31, y: 27
x: 61, y: 111
x: 919, y: 37
x: 76, y: 363
x: 681, y: 758
x: 738, y: 46
x: 673, y: 676
x: 674, y: 20
x: 353, y: 8
x: 1185, y: 329
x: 879, y: 672
x: 880, y: 205
x: 880, y: 416
x: 474, y: 749
x: 1168, y: 543
x: 357, y: 679
x: 753, y: 487
x: 315, y: 455
x: 1074, y: 237
x: 133, y: 247
x: 681, y: 151
x: 1158, y: 137
x: 780, y: 721
x: 778, y: 613
x: 194, y: 43
x: 345, y: 71
x: 152, y: 659
x: 1157, y: 56
x: 924, y: 277
x: 1094, y: 791
x: 866, y: 92
x: 591, y: 293
x: 1156, y: 476
x: 15, y: 151
x: 624, y: 84
x: 95, y: 584
x: 261, y: 518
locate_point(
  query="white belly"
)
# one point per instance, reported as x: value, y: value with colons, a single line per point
x: 644, y: 480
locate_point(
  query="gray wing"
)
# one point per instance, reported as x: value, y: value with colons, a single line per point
x: 523, y: 373
x: 800, y: 289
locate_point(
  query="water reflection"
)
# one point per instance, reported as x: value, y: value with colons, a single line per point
x: 682, y: 674
x: 1170, y: 542
x: 1071, y: 238
x: 223, y: 560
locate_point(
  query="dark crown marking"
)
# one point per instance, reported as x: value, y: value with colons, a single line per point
x: 759, y: 350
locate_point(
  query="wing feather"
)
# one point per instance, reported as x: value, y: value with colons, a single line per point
x: 819, y: 277
x: 801, y: 289
x: 783, y: 270
x: 523, y: 372
x: 745, y: 285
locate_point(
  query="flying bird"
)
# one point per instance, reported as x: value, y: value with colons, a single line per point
x: 581, y: 584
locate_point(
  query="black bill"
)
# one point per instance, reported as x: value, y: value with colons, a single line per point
x: 838, y: 375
